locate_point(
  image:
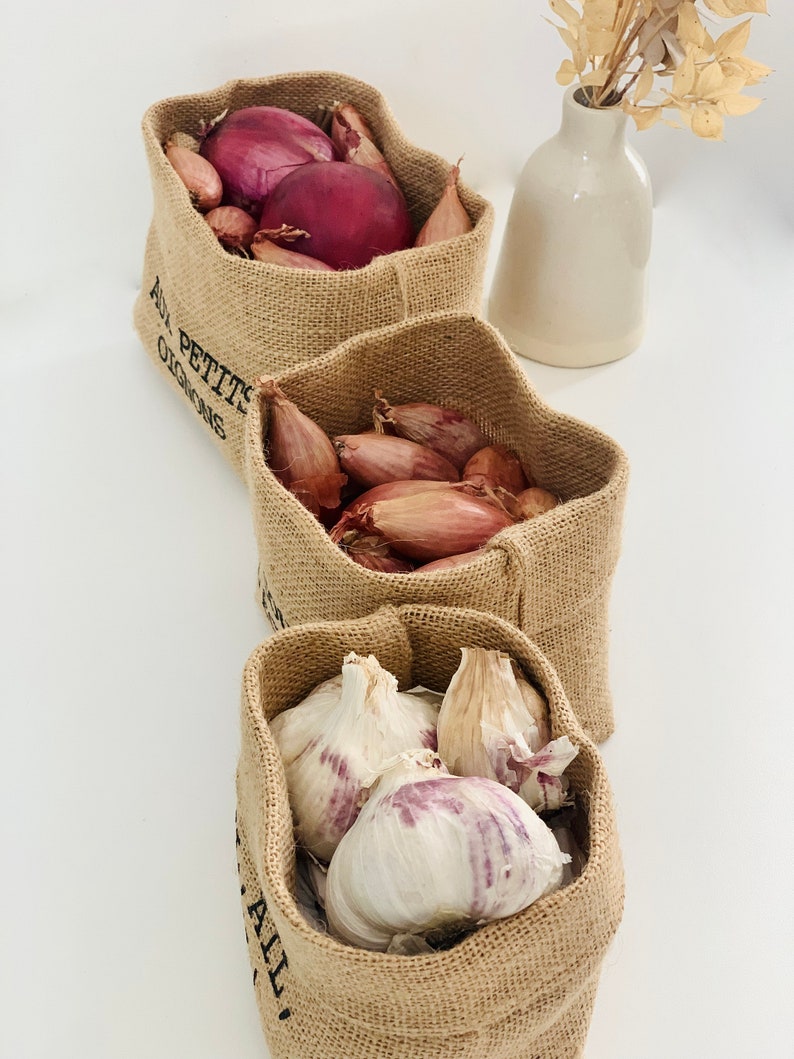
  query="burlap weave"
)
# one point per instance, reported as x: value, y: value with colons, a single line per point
x: 550, y: 576
x: 212, y: 322
x: 520, y: 988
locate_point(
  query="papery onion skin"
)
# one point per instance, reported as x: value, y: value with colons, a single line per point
x: 197, y: 174
x: 374, y: 459
x: 299, y: 452
x: 263, y: 248
x: 496, y: 467
x: 445, y: 430
x: 449, y: 219
x: 433, y: 525
x: 254, y: 148
x: 352, y: 213
x: 233, y: 227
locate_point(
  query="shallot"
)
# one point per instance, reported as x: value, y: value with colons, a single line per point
x: 372, y: 459
x: 197, y: 174
x: 497, y: 467
x: 449, y: 219
x: 264, y: 249
x: 445, y: 430
x: 355, y: 142
x: 233, y: 227
x: 435, y: 524
x: 300, y: 453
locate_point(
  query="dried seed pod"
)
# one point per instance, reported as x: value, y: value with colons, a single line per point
x: 372, y: 459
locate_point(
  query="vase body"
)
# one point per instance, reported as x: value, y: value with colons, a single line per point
x: 570, y: 286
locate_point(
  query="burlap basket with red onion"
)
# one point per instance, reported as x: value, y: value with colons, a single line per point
x: 550, y: 575
x: 448, y: 920
x: 271, y: 197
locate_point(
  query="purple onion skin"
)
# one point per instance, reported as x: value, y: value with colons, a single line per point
x: 352, y: 214
x: 253, y: 149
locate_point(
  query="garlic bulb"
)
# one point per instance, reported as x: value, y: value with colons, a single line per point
x: 334, y: 739
x: 432, y: 853
x: 494, y: 723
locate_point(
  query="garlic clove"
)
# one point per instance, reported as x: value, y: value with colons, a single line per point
x: 432, y: 854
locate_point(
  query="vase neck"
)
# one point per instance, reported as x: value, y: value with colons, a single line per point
x: 591, y: 130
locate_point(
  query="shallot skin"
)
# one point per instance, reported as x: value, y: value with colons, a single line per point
x: 351, y: 214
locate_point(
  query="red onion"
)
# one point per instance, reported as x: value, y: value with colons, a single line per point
x: 253, y: 149
x: 233, y: 227
x: 351, y: 213
x: 444, y: 430
x: 372, y: 459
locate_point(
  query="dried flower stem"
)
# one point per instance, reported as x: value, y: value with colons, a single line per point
x: 620, y: 48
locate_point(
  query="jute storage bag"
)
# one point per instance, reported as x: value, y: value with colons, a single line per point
x: 550, y: 576
x: 212, y: 322
x: 518, y: 988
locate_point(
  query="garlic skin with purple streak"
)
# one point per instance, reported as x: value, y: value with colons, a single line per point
x: 333, y: 741
x: 433, y: 854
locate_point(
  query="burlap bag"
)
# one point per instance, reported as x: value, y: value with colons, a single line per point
x: 212, y: 322
x: 550, y: 576
x: 521, y: 988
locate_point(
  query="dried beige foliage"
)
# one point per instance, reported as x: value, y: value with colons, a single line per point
x: 653, y: 56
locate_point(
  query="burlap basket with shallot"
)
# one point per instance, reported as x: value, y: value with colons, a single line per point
x: 549, y: 575
x: 212, y: 318
x: 507, y: 985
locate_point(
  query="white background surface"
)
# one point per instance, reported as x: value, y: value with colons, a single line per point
x: 128, y: 559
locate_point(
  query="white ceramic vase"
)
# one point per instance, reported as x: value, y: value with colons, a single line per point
x: 570, y: 286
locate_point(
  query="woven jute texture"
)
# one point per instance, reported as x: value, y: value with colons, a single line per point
x: 212, y: 322
x: 550, y: 576
x: 519, y: 988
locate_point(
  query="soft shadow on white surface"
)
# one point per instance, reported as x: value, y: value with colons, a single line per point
x: 129, y: 565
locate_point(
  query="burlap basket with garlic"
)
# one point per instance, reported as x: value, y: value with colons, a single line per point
x: 550, y: 576
x: 518, y: 987
x: 212, y: 321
